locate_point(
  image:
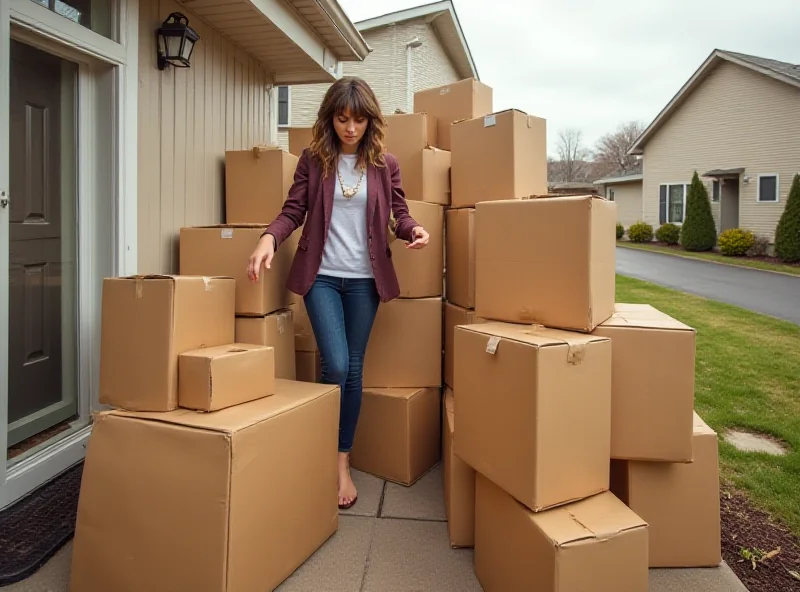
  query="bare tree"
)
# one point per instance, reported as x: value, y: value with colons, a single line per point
x: 611, y: 152
x: 572, y: 156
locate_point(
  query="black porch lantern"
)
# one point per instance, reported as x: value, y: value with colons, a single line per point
x: 176, y: 41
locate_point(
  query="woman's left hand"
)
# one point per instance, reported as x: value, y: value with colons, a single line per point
x: 421, y: 238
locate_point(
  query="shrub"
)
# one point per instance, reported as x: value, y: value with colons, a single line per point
x: 787, y: 233
x: 735, y: 242
x: 699, y: 232
x: 760, y: 246
x: 668, y: 233
x: 620, y: 231
x: 641, y: 232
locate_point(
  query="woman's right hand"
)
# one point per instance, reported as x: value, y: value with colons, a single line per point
x: 265, y: 250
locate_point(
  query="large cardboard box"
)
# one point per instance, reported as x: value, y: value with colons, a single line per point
x: 534, y: 410
x: 459, y: 484
x: 299, y: 139
x: 208, y: 502
x: 215, y: 378
x: 465, y: 99
x: 596, y: 544
x: 398, y: 434
x: 275, y: 330
x: 425, y: 170
x: 225, y: 250
x: 309, y: 366
x: 146, y: 323
x: 548, y: 261
x: 405, y: 346
x: 257, y: 183
x: 420, y: 273
x: 453, y: 316
x: 499, y: 156
x: 304, y: 339
x: 652, y: 384
x: 680, y: 502
x: 460, y: 254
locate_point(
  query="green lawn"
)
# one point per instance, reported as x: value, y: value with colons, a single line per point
x: 739, y: 261
x: 747, y: 376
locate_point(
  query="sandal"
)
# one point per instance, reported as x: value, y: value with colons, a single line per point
x: 350, y: 505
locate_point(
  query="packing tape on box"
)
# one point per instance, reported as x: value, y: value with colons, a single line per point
x: 139, y: 286
x: 575, y: 351
x: 600, y: 536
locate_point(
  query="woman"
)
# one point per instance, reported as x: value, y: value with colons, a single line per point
x: 347, y: 185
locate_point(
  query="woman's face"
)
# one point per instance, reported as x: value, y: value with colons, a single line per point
x: 349, y: 128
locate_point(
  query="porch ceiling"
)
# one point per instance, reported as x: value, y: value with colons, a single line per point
x: 297, y: 41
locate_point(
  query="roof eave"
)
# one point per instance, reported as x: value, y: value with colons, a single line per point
x: 347, y: 29
x: 615, y: 180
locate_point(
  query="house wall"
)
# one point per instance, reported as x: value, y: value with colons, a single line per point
x: 188, y: 118
x: 384, y: 70
x: 628, y: 197
x: 736, y: 118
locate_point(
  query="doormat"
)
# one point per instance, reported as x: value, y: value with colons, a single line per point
x: 37, y: 526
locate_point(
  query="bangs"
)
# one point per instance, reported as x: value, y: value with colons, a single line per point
x: 353, y: 101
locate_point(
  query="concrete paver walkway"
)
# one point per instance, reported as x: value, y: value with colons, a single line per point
x: 769, y: 293
x: 395, y: 540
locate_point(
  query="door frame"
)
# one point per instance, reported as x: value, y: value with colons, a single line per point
x: 107, y: 229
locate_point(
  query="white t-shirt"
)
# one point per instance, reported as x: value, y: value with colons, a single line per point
x: 346, y: 252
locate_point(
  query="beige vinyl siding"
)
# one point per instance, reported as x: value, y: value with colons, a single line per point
x: 188, y: 118
x: 628, y: 197
x: 735, y: 118
x: 384, y: 70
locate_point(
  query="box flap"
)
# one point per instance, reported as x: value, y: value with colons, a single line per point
x: 533, y: 335
x: 701, y: 427
x: 288, y: 395
x: 237, y: 225
x: 395, y: 393
x: 643, y: 316
x: 599, y: 517
x: 222, y: 351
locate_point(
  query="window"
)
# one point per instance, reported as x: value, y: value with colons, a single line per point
x: 283, y: 105
x: 715, y: 191
x: 97, y: 15
x: 672, y: 203
x: 610, y: 194
x: 768, y: 188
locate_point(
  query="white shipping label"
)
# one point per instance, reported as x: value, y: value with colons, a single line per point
x: 489, y: 121
x: 226, y: 233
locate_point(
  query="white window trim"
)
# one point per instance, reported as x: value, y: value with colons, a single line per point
x: 777, y: 188
x: 288, y: 106
x: 685, y: 193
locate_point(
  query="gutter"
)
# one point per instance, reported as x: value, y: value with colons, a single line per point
x: 345, y: 26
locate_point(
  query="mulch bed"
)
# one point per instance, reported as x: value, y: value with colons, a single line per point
x: 750, y: 536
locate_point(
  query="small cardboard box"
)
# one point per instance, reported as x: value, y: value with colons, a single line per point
x: 275, y: 330
x: 309, y: 366
x: 680, y: 502
x: 548, y: 261
x: 460, y: 253
x: 304, y: 339
x: 420, y: 273
x: 225, y: 250
x: 299, y: 139
x: 257, y: 183
x: 425, y: 170
x: 652, y: 384
x: 453, y: 316
x: 534, y: 410
x: 464, y: 99
x: 405, y: 346
x: 596, y: 544
x: 214, y: 378
x: 231, y: 500
x: 499, y: 156
x: 459, y: 484
x: 146, y: 323
x: 398, y: 434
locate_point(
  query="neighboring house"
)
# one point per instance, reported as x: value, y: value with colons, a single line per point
x: 103, y: 158
x: 412, y: 49
x: 624, y: 188
x: 737, y: 123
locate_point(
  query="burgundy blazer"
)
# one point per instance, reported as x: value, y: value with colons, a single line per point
x: 310, y: 201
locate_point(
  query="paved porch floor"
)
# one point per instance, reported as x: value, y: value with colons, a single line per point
x: 395, y: 540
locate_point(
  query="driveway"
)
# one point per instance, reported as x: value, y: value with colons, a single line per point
x: 769, y: 293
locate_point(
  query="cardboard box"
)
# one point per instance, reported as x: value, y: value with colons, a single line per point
x: 425, y: 170
x: 257, y: 183
x: 454, y: 315
x: 548, y: 261
x: 304, y: 339
x: 680, y: 502
x: 299, y: 139
x: 534, y: 410
x: 459, y: 484
x: 146, y: 323
x: 460, y: 237
x: 421, y: 273
x: 188, y: 501
x: 225, y: 250
x: 465, y: 99
x: 596, y: 544
x: 309, y: 366
x: 398, y: 434
x: 274, y: 330
x: 499, y: 156
x: 215, y: 378
x: 652, y: 384
x: 405, y: 346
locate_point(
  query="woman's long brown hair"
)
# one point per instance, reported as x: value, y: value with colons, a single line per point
x: 353, y: 95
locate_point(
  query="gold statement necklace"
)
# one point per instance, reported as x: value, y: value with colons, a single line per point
x: 347, y: 191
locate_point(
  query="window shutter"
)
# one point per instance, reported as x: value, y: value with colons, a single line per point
x: 662, y: 204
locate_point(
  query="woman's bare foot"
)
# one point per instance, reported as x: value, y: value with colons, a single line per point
x: 347, y: 489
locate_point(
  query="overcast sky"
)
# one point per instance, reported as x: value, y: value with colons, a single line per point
x: 592, y: 64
